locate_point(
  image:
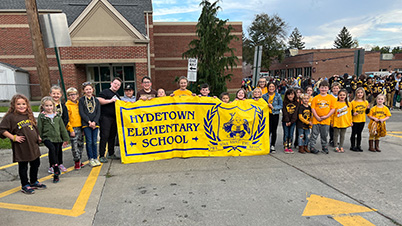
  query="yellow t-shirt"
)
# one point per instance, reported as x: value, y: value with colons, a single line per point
x: 359, y: 107
x: 270, y: 101
x: 379, y: 113
x: 323, y: 105
x: 182, y: 92
x: 342, y: 115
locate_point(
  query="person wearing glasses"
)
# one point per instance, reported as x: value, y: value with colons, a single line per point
x: 108, y: 126
x: 147, y: 92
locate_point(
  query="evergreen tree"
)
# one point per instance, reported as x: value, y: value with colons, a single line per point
x: 344, y: 39
x: 270, y: 33
x: 295, y: 40
x: 397, y: 49
x: 212, y: 50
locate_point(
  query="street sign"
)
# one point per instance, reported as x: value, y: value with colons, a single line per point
x: 359, y: 61
x: 54, y: 28
x: 192, y: 69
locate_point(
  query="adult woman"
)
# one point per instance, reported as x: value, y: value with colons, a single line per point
x: 275, y: 104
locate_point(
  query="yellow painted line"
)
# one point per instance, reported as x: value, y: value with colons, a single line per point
x: 353, y: 220
x: 397, y: 132
x: 392, y: 135
x: 42, y: 156
x: 319, y: 205
x: 80, y: 203
x: 86, y: 191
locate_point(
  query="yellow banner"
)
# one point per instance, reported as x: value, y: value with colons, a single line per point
x: 169, y: 127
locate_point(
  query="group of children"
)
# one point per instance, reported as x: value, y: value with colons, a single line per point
x: 332, y: 113
x: 58, y: 123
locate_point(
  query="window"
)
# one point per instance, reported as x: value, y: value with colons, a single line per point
x: 102, y: 75
x: 298, y: 71
x: 291, y: 73
x: 307, y: 72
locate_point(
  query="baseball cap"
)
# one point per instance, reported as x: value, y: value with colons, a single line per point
x: 129, y: 87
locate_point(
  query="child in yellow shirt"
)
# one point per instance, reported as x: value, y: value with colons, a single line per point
x: 378, y: 114
x: 182, y: 91
x: 342, y: 119
x: 360, y: 107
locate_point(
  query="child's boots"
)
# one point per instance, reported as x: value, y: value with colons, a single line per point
x: 377, y: 145
x: 371, y: 146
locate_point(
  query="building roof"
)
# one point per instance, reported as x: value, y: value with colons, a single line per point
x: 132, y: 10
x: 13, y: 67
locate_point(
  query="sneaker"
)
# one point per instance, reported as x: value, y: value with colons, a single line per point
x: 313, y: 150
x: 92, y: 162
x: 113, y: 157
x: 62, y: 168
x: 325, y: 150
x: 290, y: 151
x: 56, y: 178
x: 50, y: 170
x: 77, y: 165
x: 103, y: 160
x: 97, y: 162
x: 27, y: 189
x: 82, y: 165
x: 273, y: 152
x: 272, y: 148
x: 286, y: 151
x: 38, y: 185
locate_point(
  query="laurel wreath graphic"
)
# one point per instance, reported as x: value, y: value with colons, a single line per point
x: 213, y: 139
x: 209, y: 132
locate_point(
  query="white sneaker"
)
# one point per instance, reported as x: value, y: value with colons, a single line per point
x: 97, y: 162
x: 92, y: 162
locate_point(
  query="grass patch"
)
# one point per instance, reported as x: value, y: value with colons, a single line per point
x: 35, y: 108
x: 5, y: 143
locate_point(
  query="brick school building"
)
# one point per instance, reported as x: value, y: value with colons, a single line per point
x: 109, y: 38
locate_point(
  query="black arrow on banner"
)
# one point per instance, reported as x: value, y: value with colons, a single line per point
x: 193, y: 68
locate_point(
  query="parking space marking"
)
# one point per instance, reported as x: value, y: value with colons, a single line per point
x: 79, y: 205
x: 16, y: 163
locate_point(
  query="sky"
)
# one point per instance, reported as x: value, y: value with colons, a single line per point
x: 371, y: 22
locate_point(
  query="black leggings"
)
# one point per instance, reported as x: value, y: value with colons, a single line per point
x: 357, y: 130
x: 273, y: 126
x: 33, y: 171
x: 54, y: 153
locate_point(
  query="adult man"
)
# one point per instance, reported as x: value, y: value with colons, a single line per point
x: 147, y: 92
x: 128, y: 94
x: 108, y: 127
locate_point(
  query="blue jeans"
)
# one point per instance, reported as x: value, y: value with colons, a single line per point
x: 91, y: 137
x: 288, y: 132
x: 303, y: 136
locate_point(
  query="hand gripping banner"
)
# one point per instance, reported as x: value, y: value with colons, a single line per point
x: 169, y: 127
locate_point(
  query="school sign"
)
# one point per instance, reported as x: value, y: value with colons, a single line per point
x: 169, y: 127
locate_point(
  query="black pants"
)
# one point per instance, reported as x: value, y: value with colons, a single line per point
x: 357, y: 130
x: 108, y: 132
x: 54, y: 152
x: 273, y: 126
x: 331, y: 134
x: 33, y: 171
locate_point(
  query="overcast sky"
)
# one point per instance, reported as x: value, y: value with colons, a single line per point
x: 371, y: 22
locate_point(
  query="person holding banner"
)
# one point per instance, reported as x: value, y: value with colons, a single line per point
x: 182, y: 91
x: 108, y: 126
x: 147, y: 92
x: 275, y: 104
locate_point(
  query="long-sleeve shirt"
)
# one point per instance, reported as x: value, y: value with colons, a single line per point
x: 89, y: 109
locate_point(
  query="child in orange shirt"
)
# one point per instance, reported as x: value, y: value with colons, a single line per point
x: 322, y: 107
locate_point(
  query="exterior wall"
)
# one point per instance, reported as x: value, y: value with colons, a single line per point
x: 16, y: 49
x: 325, y: 63
x: 171, y: 41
